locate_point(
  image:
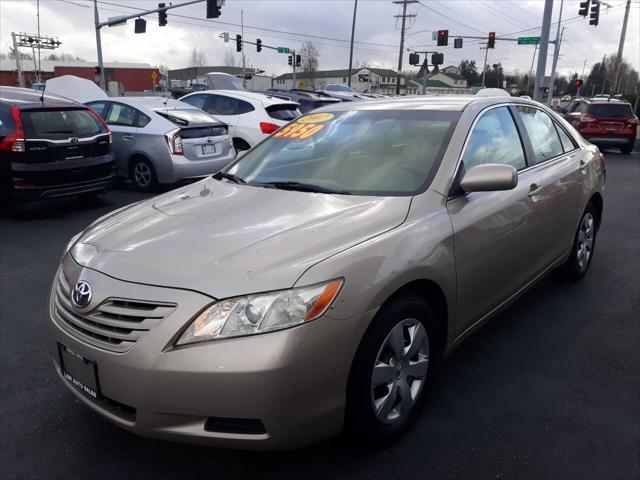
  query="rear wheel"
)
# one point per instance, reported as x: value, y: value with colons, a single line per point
x: 627, y: 149
x: 391, y: 371
x: 143, y: 174
x: 584, y: 244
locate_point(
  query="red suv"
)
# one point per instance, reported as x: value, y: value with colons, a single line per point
x: 605, y: 122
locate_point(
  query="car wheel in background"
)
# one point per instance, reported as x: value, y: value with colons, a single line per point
x: 584, y: 244
x: 240, y: 145
x: 391, y: 371
x: 143, y: 174
x: 626, y: 150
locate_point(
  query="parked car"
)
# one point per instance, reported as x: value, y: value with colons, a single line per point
x: 163, y: 141
x: 312, y: 285
x: 606, y: 122
x: 307, y: 99
x: 251, y: 116
x: 51, y: 147
x: 342, y: 92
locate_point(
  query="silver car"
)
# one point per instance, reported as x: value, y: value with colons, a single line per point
x: 311, y: 286
x: 159, y: 140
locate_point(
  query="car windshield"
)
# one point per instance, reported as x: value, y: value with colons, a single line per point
x: 339, y: 88
x: 363, y: 152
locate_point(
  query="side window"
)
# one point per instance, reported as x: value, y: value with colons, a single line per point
x: 220, y: 105
x: 567, y: 142
x: 573, y: 106
x: 122, y: 115
x: 583, y: 107
x: 494, y: 139
x: 542, y: 133
x: 243, y: 107
x: 99, y: 107
x: 197, y: 101
x: 142, y: 120
x: 6, y: 122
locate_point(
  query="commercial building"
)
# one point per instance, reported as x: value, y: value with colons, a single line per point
x: 255, y: 80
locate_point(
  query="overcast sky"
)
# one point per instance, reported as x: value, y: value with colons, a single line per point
x: 285, y: 23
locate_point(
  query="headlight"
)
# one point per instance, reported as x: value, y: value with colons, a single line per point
x: 265, y: 312
x: 72, y: 242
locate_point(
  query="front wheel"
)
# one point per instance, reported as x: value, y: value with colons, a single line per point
x: 584, y: 244
x: 391, y: 371
x: 626, y: 150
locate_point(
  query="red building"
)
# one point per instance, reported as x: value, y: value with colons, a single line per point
x: 131, y: 77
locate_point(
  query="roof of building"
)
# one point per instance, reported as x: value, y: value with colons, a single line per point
x: 9, y: 65
x: 216, y: 68
x: 433, y: 84
x: 383, y: 72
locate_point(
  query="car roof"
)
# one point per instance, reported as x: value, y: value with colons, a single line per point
x: 246, y: 95
x: 444, y: 103
x: 615, y: 101
x: 27, y: 97
x: 150, y: 102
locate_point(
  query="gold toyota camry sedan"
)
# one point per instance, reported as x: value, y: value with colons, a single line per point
x: 311, y: 286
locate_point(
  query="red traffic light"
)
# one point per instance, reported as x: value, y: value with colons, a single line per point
x: 579, y: 82
x: 96, y: 70
x: 491, y: 43
x: 443, y: 38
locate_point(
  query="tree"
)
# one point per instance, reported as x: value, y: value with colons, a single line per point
x: 309, y: 58
x: 494, y: 76
x: 469, y: 71
x: 198, y: 58
x: 229, y: 58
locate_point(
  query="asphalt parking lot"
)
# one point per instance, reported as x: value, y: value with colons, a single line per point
x: 549, y: 389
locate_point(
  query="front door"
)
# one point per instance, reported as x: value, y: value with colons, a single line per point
x: 496, y: 234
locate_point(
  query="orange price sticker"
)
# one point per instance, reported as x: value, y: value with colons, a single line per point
x: 299, y: 131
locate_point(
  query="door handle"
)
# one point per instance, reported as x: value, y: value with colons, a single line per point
x: 583, y: 165
x: 534, y: 189
x: 127, y: 137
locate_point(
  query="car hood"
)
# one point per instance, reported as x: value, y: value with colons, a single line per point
x: 224, y: 239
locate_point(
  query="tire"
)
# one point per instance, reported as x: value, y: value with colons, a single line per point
x: 626, y: 150
x: 143, y: 175
x: 584, y: 244
x: 373, y: 416
x: 240, y: 145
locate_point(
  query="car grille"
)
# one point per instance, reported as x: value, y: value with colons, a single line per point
x: 116, y: 324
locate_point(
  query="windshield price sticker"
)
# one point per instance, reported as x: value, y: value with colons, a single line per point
x: 299, y: 131
x: 316, y: 118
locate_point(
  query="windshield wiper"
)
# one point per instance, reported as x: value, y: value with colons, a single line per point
x: 229, y: 176
x: 303, y: 187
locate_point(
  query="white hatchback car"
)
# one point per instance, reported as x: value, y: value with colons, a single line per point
x: 250, y: 116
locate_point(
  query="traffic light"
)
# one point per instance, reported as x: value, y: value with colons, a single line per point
x: 491, y: 43
x: 457, y: 43
x: 437, y: 59
x: 259, y: 45
x: 213, y: 10
x: 162, y: 15
x: 96, y: 71
x: 298, y: 60
x: 290, y: 59
x: 595, y: 13
x: 414, y: 59
x: 584, y: 8
x: 238, y: 43
x: 579, y: 82
x: 140, y: 26
x: 443, y: 38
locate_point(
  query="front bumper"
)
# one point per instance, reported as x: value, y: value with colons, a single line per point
x: 292, y: 381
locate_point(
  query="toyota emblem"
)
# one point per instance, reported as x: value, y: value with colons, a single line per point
x: 209, y: 140
x: 81, y: 294
x: 74, y: 139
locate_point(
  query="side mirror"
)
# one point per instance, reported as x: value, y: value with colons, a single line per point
x: 490, y: 177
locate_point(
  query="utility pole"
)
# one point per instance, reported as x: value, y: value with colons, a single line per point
x: 584, y: 64
x: 538, y: 87
x: 606, y: 71
x: 556, y: 53
x: 38, y: 73
x: 353, y: 32
x: 293, y: 64
x: 404, y: 17
x: 103, y: 83
x: 484, y: 69
x: 623, y: 34
x: 244, y: 63
x: 531, y: 69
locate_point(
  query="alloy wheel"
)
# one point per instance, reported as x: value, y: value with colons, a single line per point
x: 400, y: 371
x: 585, y: 240
x: 142, y: 174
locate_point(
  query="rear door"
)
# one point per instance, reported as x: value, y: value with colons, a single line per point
x: 121, y: 119
x: 496, y: 234
x: 224, y: 109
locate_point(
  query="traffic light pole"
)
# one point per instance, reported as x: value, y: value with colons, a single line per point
x: 122, y: 19
x: 484, y: 69
x: 538, y: 87
x: 556, y: 53
x: 293, y: 64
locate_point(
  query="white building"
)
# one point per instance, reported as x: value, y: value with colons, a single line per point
x: 374, y: 80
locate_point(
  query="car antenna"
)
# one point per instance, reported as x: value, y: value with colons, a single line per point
x: 165, y: 102
x: 42, y: 95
